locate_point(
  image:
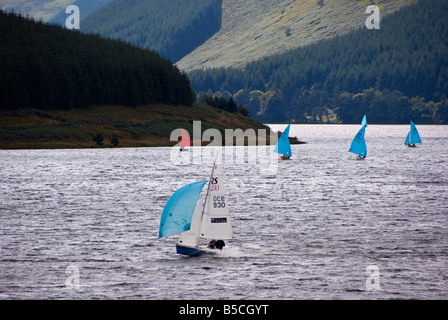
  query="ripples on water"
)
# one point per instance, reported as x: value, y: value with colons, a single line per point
x: 308, y: 230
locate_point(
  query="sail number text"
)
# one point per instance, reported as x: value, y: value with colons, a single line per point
x: 219, y: 201
x: 214, y: 186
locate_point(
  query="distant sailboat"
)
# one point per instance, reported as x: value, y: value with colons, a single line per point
x: 413, y: 137
x: 283, y: 146
x: 358, y: 145
x: 185, y: 213
x: 185, y: 142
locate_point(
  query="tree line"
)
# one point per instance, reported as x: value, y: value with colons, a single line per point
x: 393, y: 73
x: 45, y: 66
x: 223, y: 103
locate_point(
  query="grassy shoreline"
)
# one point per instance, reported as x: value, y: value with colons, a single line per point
x: 141, y: 126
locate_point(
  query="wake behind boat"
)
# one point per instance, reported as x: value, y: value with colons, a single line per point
x: 186, y: 214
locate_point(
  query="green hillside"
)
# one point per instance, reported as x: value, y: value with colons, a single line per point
x: 61, y: 88
x: 392, y: 74
x: 141, y: 126
x: 173, y: 28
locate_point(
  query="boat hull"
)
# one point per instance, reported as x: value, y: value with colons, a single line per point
x: 192, y: 251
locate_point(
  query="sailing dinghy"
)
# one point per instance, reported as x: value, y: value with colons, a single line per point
x: 358, y: 145
x: 283, y: 146
x: 186, y: 214
x: 185, y: 141
x: 413, y: 137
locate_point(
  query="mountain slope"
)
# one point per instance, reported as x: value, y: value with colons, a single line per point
x: 252, y: 29
x: 38, y: 9
x: 173, y: 28
x: 393, y: 74
x: 86, y: 8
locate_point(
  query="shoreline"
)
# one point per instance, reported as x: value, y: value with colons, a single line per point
x: 58, y: 145
x: 141, y: 126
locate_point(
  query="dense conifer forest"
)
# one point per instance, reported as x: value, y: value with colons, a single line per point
x: 173, y: 28
x: 48, y: 67
x: 393, y: 74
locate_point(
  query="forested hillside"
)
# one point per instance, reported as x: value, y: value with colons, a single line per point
x: 44, y: 67
x: 392, y: 74
x: 173, y: 28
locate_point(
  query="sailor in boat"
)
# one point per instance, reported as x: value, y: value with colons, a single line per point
x: 211, y: 244
x: 219, y: 244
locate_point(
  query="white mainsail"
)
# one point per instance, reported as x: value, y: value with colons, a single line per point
x: 216, y: 223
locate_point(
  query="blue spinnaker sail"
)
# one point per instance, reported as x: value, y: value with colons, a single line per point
x: 283, y: 146
x: 176, y: 216
x: 413, y: 135
x: 358, y: 145
x: 364, y: 121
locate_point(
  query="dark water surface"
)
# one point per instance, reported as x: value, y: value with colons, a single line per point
x: 313, y: 227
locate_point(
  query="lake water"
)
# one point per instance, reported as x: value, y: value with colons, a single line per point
x: 319, y: 226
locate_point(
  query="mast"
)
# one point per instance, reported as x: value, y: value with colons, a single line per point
x: 208, y: 188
